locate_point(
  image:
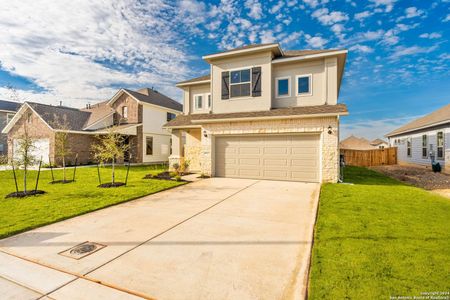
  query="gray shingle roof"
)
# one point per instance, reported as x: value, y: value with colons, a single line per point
x: 438, y: 116
x: 9, y: 105
x: 186, y: 120
x: 156, y: 98
x: 55, y: 115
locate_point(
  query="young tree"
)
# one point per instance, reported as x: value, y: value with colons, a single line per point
x: 110, y: 148
x: 23, y: 156
x: 62, y: 147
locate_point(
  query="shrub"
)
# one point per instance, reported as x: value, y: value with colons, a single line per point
x: 436, y: 167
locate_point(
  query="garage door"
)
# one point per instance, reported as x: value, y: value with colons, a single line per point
x: 40, y: 149
x: 277, y: 157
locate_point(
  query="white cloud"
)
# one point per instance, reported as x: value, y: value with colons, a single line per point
x: 447, y: 18
x: 274, y: 9
x: 325, y: 17
x: 82, y: 51
x: 362, y: 15
x: 401, y: 51
x: 267, y: 36
x: 361, y: 48
x: 412, y: 12
x: 315, y: 3
x: 433, y: 35
x: 255, y: 8
x: 388, y: 4
x: 315, y: 41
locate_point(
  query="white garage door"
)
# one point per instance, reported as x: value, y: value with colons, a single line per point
x: 40, y: 149
x: 277, y: 157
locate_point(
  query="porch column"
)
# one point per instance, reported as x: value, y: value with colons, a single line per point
x: 176, y: 156
x: 447, y: 161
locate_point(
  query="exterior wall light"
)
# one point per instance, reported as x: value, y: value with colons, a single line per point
x: 205, y: 134
x: 330, y: 129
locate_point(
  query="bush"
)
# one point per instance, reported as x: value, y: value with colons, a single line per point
x: 436, y: 167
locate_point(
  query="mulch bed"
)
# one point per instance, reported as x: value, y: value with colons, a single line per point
x: 25, y: 194
x: 163, y: 176
x: 418, y: 176
x: 62, y: 181
x: 110, y: 184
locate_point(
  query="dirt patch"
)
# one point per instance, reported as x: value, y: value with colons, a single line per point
x: 418, y: 176
x: 62, y: 181
x: 111, y: 185
x: 23, y: 194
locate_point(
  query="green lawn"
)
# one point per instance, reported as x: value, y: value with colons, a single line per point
x: 379, y: 238
x: 64, y: 201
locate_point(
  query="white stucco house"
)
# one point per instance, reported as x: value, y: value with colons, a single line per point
x: 424, y: 138
x: 263, y: 113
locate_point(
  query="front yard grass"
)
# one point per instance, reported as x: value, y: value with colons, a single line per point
x: 64, y: 201
x: 379, y: 238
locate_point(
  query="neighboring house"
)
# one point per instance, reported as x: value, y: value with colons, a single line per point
x: 356, y: 143
x: 139, y: 117
x: 423, y: 138
x: 263, y: 113
x: 7, y: 112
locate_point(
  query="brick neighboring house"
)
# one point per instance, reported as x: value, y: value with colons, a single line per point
x: 139, y: 117
x: 7, y: 111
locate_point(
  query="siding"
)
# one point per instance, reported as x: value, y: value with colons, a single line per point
x: 416, y: 145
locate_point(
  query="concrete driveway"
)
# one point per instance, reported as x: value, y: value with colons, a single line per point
x: 217, y: 238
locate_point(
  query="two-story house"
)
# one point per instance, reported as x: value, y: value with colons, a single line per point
x: 137, y: 115
x: 7, y: 111
x: 263, y: 113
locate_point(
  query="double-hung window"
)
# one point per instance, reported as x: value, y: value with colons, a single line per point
x: 408, y: 147
x: 283, y: 87
x: 424, y: 146
x: 170, y: 116
x: 240, y: 83
x: 149, y: 145
x: 304, y: 83
x: 440, y: 145
x: 198, y: 101
x: 125, y: 112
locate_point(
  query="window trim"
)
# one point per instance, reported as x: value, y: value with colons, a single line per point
x: 208, y: 100
x: 310, y: 85
x: 409, y: 147
x: 277, y: 95
x: 425, y: 146
x: 169, y: 114
x: 146, y: 143
x: 249, y: 82
x: 437, y: 145
x: 196, y: 107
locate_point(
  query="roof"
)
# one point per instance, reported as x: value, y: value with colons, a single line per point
x: 55, y: 116
x: 437, y: 117
x: 9, y: 105
x: 155, y: 98
x: 356, y: 143
x: 377, y: 142
x: 286, y: 54
x: 193, y: 119
x: 196, y: 79
x: 98, y: 111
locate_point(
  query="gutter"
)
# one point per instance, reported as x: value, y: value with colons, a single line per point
x: 417, y: 128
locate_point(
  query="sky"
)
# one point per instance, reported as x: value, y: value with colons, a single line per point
x: 83, y: 51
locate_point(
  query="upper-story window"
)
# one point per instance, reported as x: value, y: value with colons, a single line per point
x: 125, y: 112
x: 424, y: 146
x: 198, y: 101
x: 240, y: 83
x: 283, y: 87
x: 170, y: 116
x: 9, y: 117
x: 29, y: 117
x: 440, y: 144
x: 304, y: 85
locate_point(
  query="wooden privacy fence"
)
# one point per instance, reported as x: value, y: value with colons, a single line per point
x: 368, y: 158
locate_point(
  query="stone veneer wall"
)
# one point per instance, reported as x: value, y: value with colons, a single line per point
x: 330, y: 151
x: 193, y: 154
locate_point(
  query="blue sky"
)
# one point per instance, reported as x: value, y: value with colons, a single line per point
x: 83, y: 51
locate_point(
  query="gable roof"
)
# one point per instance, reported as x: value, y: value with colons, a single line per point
x: 155, y: 98
x: 55, y: 115
x: 377, y: 142
x: 246, y: 48
x: 278, y: 113
x: 356, y: 143
x: 195, y: 80
x: 9, y: 106
x: 440, y: 116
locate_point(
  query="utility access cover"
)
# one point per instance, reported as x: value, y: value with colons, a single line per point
x: 82, y: 250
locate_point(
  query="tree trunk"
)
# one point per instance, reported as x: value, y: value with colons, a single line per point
x: 64, y: 168
x: 113, y: 171
x: 25, y: 179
